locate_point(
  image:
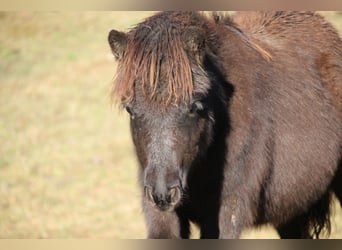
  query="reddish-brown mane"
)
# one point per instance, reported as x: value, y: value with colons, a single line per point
x: 156, y: 60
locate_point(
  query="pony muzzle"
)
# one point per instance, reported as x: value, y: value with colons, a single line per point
x: 163, y: 200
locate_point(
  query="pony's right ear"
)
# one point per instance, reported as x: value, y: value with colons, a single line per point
x: 117, y: 41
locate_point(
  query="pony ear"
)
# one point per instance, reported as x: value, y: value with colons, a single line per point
x: 117, y: 41
x: 194, y: 40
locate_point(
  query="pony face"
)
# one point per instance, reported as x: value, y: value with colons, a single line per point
x: 167, y: 143
x: 164, y: 88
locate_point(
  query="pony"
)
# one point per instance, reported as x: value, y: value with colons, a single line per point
x: 236, y: 120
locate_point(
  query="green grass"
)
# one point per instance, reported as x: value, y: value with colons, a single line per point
x: 67, y: 165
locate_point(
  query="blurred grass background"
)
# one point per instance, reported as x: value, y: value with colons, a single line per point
x: 67, y: 166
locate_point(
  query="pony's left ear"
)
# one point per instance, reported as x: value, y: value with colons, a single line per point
x: 194, y: 40
x: 117, y: 41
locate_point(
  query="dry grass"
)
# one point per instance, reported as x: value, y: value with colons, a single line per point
x: 67, y: 167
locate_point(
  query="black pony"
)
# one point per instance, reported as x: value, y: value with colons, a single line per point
x: 236, y: 120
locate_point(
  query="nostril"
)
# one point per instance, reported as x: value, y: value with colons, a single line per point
x: 174, y: 195
x: 173, y: 192
x: 148, y: 194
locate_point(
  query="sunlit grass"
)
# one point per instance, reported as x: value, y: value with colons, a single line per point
x: 67, y: 165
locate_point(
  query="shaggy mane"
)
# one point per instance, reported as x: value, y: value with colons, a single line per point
x: 156, y: 61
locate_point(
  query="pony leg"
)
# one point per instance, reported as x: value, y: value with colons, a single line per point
x: 209, y: 228
x: 234, y: 217
x: 184, y: 227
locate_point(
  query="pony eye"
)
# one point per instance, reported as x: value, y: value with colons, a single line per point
x: 129, y: 111
x: 196, y: 107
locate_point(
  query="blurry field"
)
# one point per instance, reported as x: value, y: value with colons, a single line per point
x: 67, y: 167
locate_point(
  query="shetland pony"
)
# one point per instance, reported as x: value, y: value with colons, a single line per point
x: 236, y: 120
